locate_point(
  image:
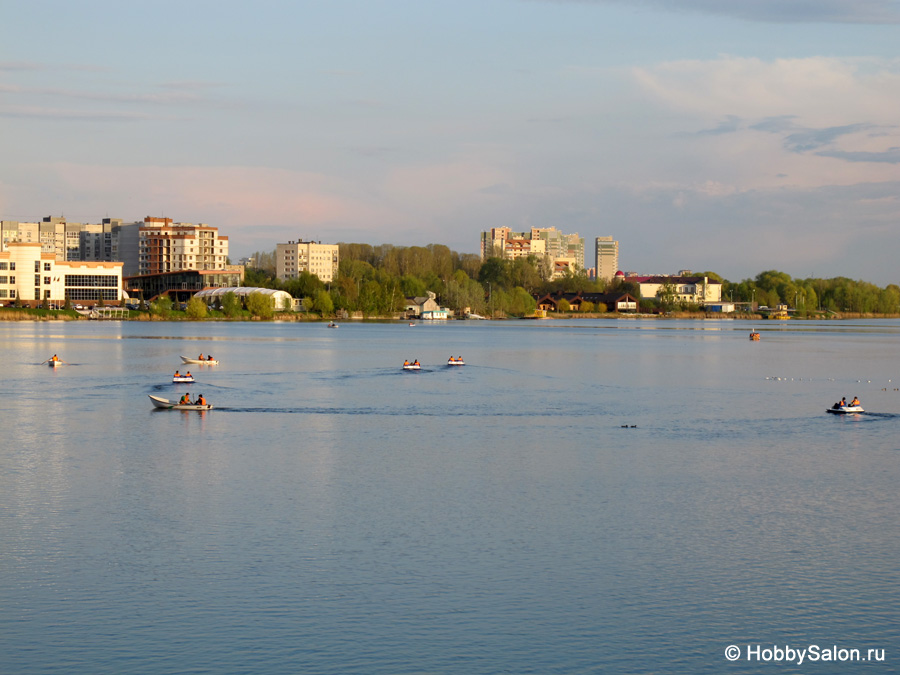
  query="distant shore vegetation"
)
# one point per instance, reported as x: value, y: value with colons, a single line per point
x: 374, y: 282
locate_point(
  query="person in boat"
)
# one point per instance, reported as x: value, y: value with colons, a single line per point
x: 200, y: 358
x: 185, y: 400
x: 188, y: 374
x: 55, y: 358
x: 405, y: 362
x: 209, y: 357
x: 416, y: 362
x: 177, y: 374
x: 843, y: 401
x: 855, y: 401
x: 200, y: 400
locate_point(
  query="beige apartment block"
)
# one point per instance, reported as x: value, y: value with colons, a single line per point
x: 33, y: 276
x: 607, y: 257
x: 295, y: 257
x: 165, y: 246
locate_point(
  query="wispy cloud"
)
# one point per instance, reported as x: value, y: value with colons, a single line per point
x: 890, y: 156
x: 778, y: 11
x: 58, y: 114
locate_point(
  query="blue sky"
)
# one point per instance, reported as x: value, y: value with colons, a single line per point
x: 702, y: 134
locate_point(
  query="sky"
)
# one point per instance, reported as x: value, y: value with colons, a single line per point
x: 724, y: 135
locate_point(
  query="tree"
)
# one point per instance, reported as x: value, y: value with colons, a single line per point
x: 322, y: 303
x: 162, y: 306
x: 261, y: 305
x: 231, y: 304
x: 196, y: 309
x: 666, y: 296
x: 563, y: 306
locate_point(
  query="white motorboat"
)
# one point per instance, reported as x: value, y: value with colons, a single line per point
x: 183, y: 378
x: 166, y: 404
x: 200, y: 362
x: 455, y: 362
x: 845, y: 410
x: 412, y: 366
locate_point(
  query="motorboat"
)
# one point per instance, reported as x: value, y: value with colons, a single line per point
x: 333, y: 325
x: 201, y: 362
x: 183, y: 378
x: 412, y: 366
x: 166, y: 404
x: 455, y: 362
x: 845, y: 410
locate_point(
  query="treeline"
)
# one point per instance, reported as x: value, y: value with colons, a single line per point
x: 376, y: 280
x: 839, y: 294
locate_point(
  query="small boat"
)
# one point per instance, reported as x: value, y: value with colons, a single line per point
x: 333, y: 325
x: 54, y: 364
x: 202, y: 362
x: 166, y: 404
x: 455, y: 362
x: 845, y: 410
x: 411, y: 323
x: 754, y: 336
x: 412, y: 366
x: 182, y: 378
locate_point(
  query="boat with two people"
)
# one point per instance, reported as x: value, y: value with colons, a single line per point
x: 415, y: 365
x: 182, y: 377
x: 844, y: 408
x: 208, y: 361
x: 184, y: 404
x: 456, y: 362
x: 333, y: 325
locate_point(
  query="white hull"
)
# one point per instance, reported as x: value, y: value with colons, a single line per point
x: 166, y: 404
x: 845, y: 410
x: 456, y: 363
x: 411, y: 367
x: 204, y: 362
x: 182, y: 379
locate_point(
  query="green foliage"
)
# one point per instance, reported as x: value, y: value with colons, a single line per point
x: 231, y: 305
x: 587, y: 307
x: 322, y: 303
x: 564, y: 306
x: 261, y: 305
x: 196, y: 309
x: 161, y: 307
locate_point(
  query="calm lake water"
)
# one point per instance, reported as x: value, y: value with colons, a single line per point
x: 334, y: 514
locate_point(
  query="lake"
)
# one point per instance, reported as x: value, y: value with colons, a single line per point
x: 585, y: 496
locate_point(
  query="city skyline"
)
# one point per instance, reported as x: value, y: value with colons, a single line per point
x: 730, y: 137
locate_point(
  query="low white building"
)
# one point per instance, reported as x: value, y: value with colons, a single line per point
x: 280, y: 299
x: 693, y: 290
x: 33, y: 276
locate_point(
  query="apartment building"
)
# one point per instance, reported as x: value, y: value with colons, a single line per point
x: 295, y: 257
x: 546, y: 242
x: 165, y: 246
x: 32, y: 276
x: 606, y: 252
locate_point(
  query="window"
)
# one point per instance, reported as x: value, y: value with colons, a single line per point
x: 46, y: 281
x: 4, y: 265
x: 12, y: 266
x: 37, y: 265
x: 4, y: 280
x: 37, y: 280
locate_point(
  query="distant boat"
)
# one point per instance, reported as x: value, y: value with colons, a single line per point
x: 411, y: 366
x: 455, y: 362
x: 333, y: 325
x: 183, y: 378
x: 201, y: 362
x: 166, y: 404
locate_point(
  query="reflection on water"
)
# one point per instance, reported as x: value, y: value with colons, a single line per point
x: 333, y: 514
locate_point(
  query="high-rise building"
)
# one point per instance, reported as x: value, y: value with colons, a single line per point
x: 299, y: 256
x: 607, y: 253
x: 165, y: 246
